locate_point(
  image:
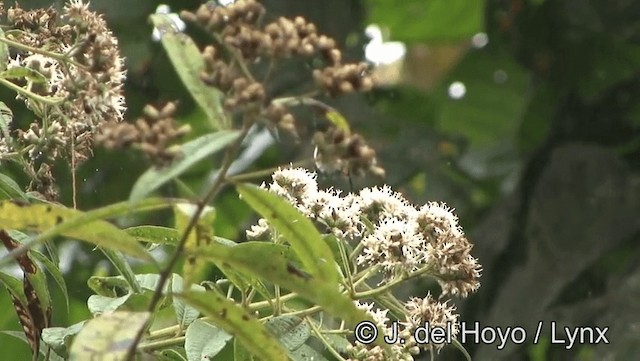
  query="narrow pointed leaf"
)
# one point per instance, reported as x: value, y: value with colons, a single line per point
x: 54, y: 220
x: 35, y: 314
x: 54, y: 271
x: 14, y: 286
x: 188, y: 62
x: 200, y: 237
x: 9, y: 189
x: 71, y: 223
x: 192, y: 152
x: 306, y: 241
x: 263, y: 261
x: 227, y: 315
x: 154, y: 234
x: 118, y: 260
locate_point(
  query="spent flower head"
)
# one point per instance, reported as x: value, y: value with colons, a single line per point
x: 427, y: 310
x: 70, y: 72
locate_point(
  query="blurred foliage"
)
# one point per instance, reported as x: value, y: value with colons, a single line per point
x: 541, y: 156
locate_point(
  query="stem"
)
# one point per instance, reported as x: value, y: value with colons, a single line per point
x: 326, y: 342
x: 28, y: 94
x: 57, y: 56
x: 166, y: 272
x: 269, y: 303
x: 264, y: 173
x: 356, y: 251
x: 304, y: 313
x: 173, y: 330
x: 388, y: 286
x: 237, y: 58
x: 151, y: 346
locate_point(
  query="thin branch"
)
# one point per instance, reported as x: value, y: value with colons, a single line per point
x: 57, y: 56
x: 28, y: 94
x: 167, y: 271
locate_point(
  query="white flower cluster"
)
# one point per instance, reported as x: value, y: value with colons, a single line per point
x: 395, y: 236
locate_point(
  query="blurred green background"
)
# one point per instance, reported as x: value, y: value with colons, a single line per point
x: 539, y: 154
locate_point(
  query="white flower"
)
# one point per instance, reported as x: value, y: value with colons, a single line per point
x: 380, y: 203
x: 437, y: 217
x: 394, y: 246
x: 379, y: 316
x: 296, y: 185
x: 259, y: 231
x: 341, y: 215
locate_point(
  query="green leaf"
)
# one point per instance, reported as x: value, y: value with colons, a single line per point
x: 236, y: 321
x: 48, y: 264
x: 4, y: 52
x: 154, y: 234
x: 57, y: 220
x: 98, y: 304
x: 193, y: 152
x: 58, y: 338
x: 306, y: 352
x: 53, y: 220
x: 8, y: 188
x: 188, y: 62
x: 170, y: 355
x: 430, y: 21
x: 338, y: 120
x: 6, y: 117
x: 111, y: 287
x: 108, y: 337
x: 338, y: 342
x: 38, y: 306
x: 292, y: 331
x: 263, y: 261
x: 203, y: 341
x: 14, y: 286
x: 20, y: 72
x: 185, y: 314
x: 240, y: 353
x: 120, y: 263
x: 201, y: 236
x: 306, y: 241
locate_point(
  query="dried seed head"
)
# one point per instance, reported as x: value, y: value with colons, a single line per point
x: 338, y: 151
x: 152, y: 134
